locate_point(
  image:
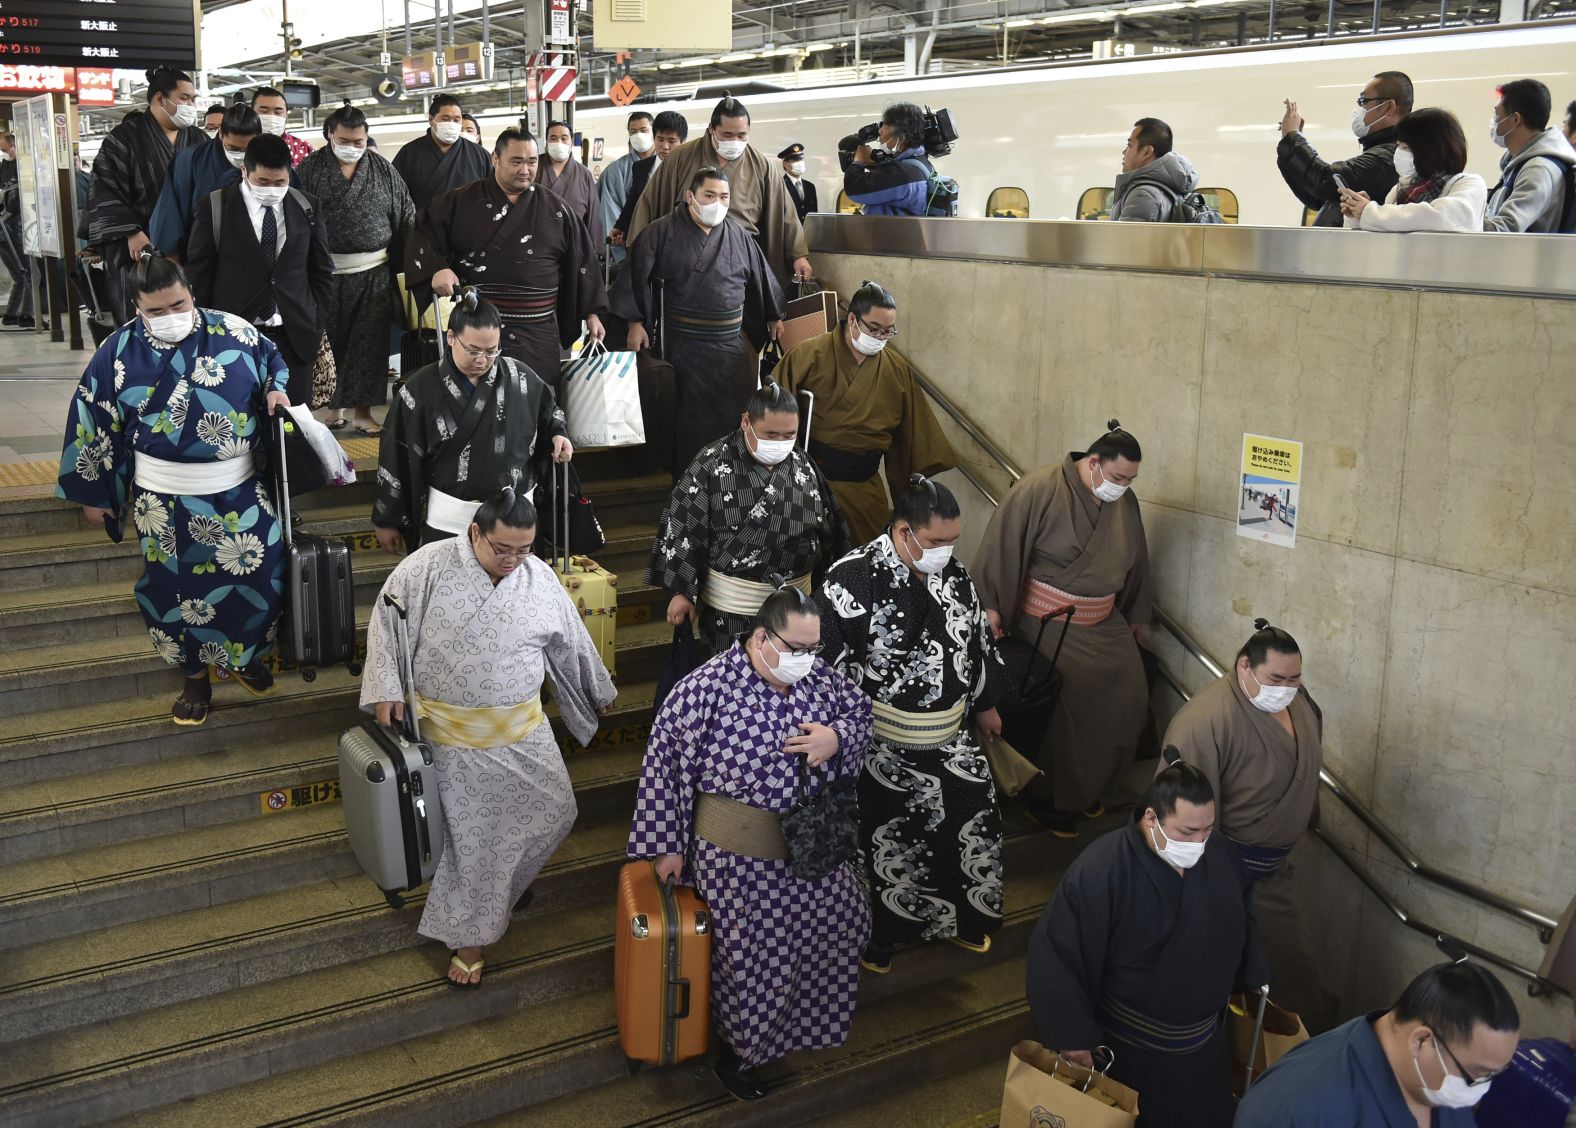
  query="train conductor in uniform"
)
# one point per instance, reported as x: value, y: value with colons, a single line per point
x: 800, y: 190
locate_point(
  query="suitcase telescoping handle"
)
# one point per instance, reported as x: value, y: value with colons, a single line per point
x: 662, y: 318
x: 437, y: 324
x: 407, y: 675
x: 809, y: 414
x: 283, y: 475
x: 561, y: 511
x: 1258, y: 1031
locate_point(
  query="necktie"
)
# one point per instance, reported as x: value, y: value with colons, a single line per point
x: 270, y: 243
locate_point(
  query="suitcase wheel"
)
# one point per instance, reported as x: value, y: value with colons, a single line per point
x: 355, y: 669
x: 309, y: 675
x: 394, y: 899
x: 631, y: 1066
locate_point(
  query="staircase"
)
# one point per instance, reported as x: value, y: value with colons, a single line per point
x: 185, y: 938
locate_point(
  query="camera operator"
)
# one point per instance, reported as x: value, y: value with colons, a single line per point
x: 894, y: 176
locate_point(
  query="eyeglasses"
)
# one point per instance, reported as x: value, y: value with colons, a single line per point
x: 520, y: 554
x: 1374, y: 101
x: 877, y: 331
x: 796, y: 650
x: 480, y: 354
x: 1472, y: 1082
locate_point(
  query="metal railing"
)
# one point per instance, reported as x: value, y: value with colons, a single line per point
x: 1536, y: 984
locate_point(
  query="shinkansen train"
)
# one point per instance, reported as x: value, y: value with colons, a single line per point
x: 1056, y: 131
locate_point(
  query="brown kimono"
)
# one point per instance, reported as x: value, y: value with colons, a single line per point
x: 577, y: 188
x: 1052, y: 529
x: 864, y: 414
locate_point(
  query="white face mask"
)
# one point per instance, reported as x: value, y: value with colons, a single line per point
x: 268, y: 197
x: 1501, y: 140
x: 731, y: 150
x: 1453, y: 1092
x: 349, y: 154
x: 212, y: 133
x: 713, y: 213
x: 1360, y: 126
x: 1272, y: 698
x: 1183, y: 855
x: 186, y: 115
x: 769, y: 452
x: 867, y: 344
x: 273, y: 124
x: 791, y: 667
x: 446, y: 131
x: 473, y: 138
x: 1405, y: 166
x: 641, y: 142
x: 558, y: 150
x: 236, y: 157
x: 172, y: 328
x: 931, y: 560
x: 796, y: 168
x: 1108, y: 490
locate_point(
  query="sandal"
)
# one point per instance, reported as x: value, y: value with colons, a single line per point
x: 467, y: 969
x: 371, y: 432
x: 192, y: 708
x: 337, y: 424
x: 256, y: 679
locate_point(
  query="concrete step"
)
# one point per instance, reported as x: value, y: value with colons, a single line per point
x: 103, y: 886
x: 948, y: 1098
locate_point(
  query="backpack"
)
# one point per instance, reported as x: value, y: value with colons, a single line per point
x: 942, y: 199
x: 1189, y: 207
x: 1567, y: 222
x: 216, y: 209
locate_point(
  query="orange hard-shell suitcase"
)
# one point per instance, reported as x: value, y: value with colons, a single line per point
x: 662, y: 969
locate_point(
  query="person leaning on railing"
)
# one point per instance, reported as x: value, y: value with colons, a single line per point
x: 1434, y: 192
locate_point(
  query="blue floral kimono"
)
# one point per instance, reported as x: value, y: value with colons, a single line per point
x: 211, y: 589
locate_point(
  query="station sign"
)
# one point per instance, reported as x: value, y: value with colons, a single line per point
x: 558, y: 28
x: 468, y: 62
x: 129, y: 34
x: 93, y: 86
x: 419, y: 71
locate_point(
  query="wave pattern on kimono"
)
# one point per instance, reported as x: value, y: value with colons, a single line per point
x: 929, y: 823
x: 785, y: 953
x: 210, y: 589
x: 506, y: 809
x: 732, y: 514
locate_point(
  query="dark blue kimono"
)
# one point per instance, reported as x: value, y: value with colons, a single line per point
x: 210, y: 590
x: 1341, y: 1079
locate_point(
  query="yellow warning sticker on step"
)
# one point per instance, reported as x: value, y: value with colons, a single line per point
x: 288, y: 798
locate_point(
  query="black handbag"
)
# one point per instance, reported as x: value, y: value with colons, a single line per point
x: 306, y: 471
x: 558, y: 491
x: 683, y: 656
x: 822, y: 832
x: 1030, y: 699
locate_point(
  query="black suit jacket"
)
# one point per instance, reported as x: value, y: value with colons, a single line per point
x: 234, y: 279
x: 806, y: 203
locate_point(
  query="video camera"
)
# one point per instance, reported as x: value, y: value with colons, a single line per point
x: 938, y: 136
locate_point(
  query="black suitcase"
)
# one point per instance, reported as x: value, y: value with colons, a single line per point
x: 420, y: 347
x: 1027, y: 705
x: 318, y: 626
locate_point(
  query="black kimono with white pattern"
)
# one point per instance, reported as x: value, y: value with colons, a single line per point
x: 928, y: 820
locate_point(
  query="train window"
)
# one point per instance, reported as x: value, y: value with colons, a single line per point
x: 847, y: 206
x: 1095, y: 203
x: 1223, y: 200
x: 1007, y: 203
x: 1309, y: 215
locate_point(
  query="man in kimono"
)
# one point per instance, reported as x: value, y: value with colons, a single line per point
x: 369, y: 214
x: 471, y: 129
x: 902, y: 620
x: 758, y: 200
x: 734, y: 744
x: 440, y: 160
x: 800, y: 190
x: 1427, y: 1061
x: 128, y: 174
x: 273, y: 112
x: 1072, y: 534
x: 1256, y: 735
x: 194, y: 174
x: 698, y: 277
x: 571, y: 181
x: 615, y: 187
x: 1148, y: 934
x: 869, y: 410
x: 486, y: 623
x: 751, y: 505
x: 169, y: 415
x: 459, y: 427
x: 522, y: 247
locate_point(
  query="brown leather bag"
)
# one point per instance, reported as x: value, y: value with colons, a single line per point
x: 661, y: 969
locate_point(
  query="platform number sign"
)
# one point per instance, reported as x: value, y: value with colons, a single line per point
x: 558, y: 28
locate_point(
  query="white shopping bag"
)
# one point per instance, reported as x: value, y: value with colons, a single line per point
x: 601, y: 394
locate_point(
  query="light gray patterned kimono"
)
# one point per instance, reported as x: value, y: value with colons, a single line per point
x: 506, y: 809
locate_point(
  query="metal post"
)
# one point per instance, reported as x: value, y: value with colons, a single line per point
x: 451, y: 24
x: 285, y: 33
x: 487, y: 48
x: 439, y: 74
x: 409, y: 50
x: 1444, y: 7
x: 1377, y: 3
x: 1272, y: 21
x: 1330, y: 24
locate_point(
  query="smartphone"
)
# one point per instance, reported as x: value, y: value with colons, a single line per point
x: 1341, y: 184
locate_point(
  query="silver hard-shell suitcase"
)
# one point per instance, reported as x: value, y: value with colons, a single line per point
x: 389, y: 784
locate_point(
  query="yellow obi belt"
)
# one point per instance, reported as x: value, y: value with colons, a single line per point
x: 917, y: 732
x: 490, y: 727
x: 741, y: 597
x: 1040, y: 599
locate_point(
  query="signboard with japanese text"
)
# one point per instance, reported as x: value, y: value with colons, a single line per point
x: 132, y: 34
x: 1267, y: 499
x: 95, y: 86
x: 419, y: 71
x: 558, y: 28
x: 37, y: 181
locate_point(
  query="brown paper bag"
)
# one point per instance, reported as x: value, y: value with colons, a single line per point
x: 1283, y: 1032
x: 1044, y: 1090
x: 1012, y: 770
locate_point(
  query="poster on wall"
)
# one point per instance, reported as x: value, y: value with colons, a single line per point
x: 1271, y: 480
x: 37, y: 183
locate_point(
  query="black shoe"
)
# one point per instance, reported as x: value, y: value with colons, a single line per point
x: 876, y: 960
x: 740, y: 1082
x: 24, y: 323
x: 525, y: 901
x: 8, y: 320
x: 1063, y: 824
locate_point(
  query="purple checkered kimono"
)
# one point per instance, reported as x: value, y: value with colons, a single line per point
x: 785, y: 954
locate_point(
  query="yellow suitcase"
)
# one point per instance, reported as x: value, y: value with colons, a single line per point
x: 595, y: 591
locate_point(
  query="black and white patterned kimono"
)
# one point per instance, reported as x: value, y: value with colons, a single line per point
x: 928, y: 819
x: 732, y: 514
x: 443, y: 432
x: 369, y: 213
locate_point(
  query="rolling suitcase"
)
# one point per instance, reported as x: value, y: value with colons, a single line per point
x: 389, y: 784
x: 661, y: 969
x: 318, y: 625
x: 591, y: 587
x: 1027, y: 705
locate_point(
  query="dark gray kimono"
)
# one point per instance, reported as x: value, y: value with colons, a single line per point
x: 429, y: 172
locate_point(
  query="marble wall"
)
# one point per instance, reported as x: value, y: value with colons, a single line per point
x: 1433, y: 584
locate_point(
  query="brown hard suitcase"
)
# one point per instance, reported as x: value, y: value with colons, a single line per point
x: 661, y: 970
